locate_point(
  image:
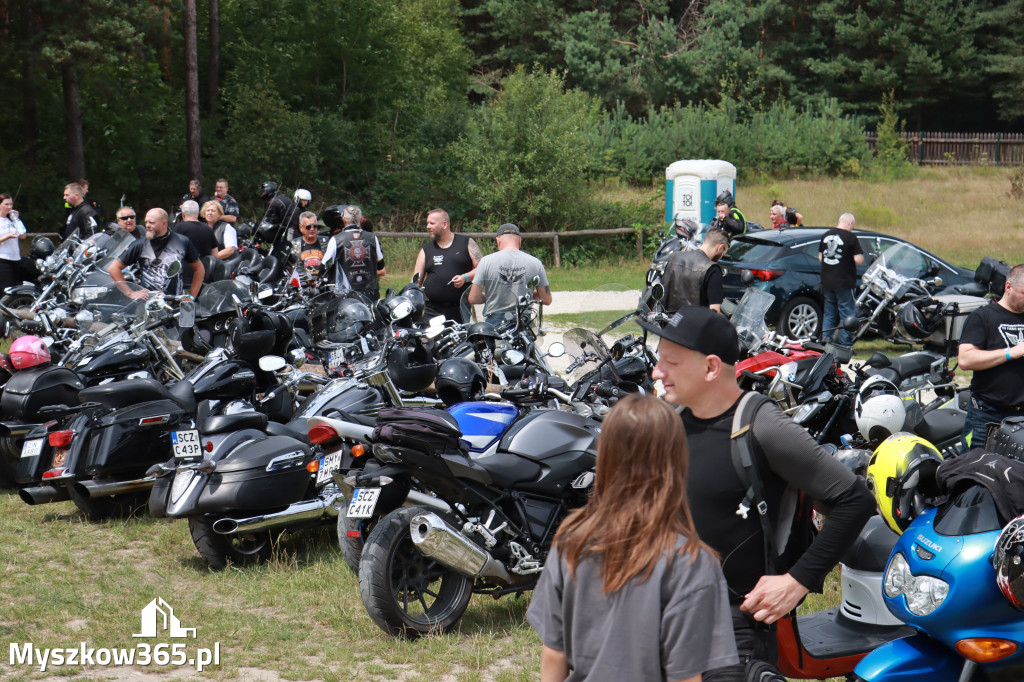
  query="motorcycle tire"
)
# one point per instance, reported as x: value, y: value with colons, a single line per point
x: 10, y: 453
x: 241, y: 549
x: 405, y: 593
x: 352, y: 534
x: 110, y: 507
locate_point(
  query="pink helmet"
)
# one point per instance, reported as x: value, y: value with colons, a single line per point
x: 28, y: 351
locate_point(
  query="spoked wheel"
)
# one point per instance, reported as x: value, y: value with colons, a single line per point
x: 405, y: 593
x: 241, y: 549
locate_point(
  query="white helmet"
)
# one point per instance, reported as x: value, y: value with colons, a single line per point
x: 879, y: 409
x: 303, y: 194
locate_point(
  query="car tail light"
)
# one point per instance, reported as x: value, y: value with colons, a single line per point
x: 322, y: 433
x: 767, y: 275
x: 60, y: 439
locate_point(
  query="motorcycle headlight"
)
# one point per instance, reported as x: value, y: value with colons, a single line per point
x: 804, y: 412
x: 878, y: 288
x: 924, y: 593
x: 82, y: 295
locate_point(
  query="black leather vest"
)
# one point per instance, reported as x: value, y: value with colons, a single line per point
x: 357, y: 254
x: 687, y: 280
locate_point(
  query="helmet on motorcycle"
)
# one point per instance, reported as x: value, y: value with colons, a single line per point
x: 725, y: 197
x: 412, y: 368
x: 42, y: 247
x: 396, y: 308
x: 878, y: 409
x: 1008, y: 560
x: 911, y: 324
x: 28, y: 351
x: 302, y: 195
x: 481, y: 335
x: 901, y: 476
x: 254, y: 335
x: 854, y: 459
x: 459, y: 380
x: 342, y: 321
x: 268, y: 189
x: 687, y: 229
x: 419, y: 301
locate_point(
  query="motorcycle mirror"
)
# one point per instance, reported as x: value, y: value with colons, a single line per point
x: 852, y: 324
x: 652, y: 275
x: 747, y: 277
x: 272, y: 363
x: 534, y: 281
x: 556, y: 350
x: 174, y: 268
x: 84, y: 319
x: 658, y: 291
x: 297, y: 357
x: 935, y: 281
x: 510, y: 356
x: 187, y: 313
x: 416, y: 279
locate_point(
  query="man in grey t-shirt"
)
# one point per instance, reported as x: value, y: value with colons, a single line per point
x: 503, y: 276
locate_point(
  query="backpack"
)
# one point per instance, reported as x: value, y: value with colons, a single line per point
x: 787, y: 531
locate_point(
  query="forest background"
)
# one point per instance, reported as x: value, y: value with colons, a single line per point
x: 498, y: 110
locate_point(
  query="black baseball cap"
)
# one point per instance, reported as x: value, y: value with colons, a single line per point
x: 700, y: 329
x: 507, y: 228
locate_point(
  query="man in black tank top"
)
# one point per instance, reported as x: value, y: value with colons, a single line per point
x: 446, y: 265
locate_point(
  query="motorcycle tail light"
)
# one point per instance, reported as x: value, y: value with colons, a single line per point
x: 358, y: 450
x: 60, y: 439
x: 985, y: 649
x: 54, y: 473
x: 767, y: 275
x: 321, y: 433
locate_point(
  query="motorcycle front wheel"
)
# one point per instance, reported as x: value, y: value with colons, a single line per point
x: 406, y: 593
x: 241, y: 549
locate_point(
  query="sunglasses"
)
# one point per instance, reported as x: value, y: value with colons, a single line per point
x: 126, y: 217
x: 309, y: 227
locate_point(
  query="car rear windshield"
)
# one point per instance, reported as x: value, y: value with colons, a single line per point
x: 753, y: 251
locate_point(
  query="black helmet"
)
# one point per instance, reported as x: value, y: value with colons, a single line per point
x: 243, y: 231
x: 268, y: 189
x: 332, y: 216
x: 341, y: 320
x: 1008, y: 560
x: 419, y: 302
x: 725, y: 197
x: 911, y: 323
x: 482, y: 334
x: 396, y: 308
x: 42, y: 247
x: 459, y: 380
x: 260, y: 333
x: 412, y: 368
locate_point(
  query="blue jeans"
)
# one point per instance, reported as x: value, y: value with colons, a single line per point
x: 979, y: 415
x: 839, y: 305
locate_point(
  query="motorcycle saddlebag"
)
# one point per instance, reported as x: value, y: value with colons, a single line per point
x: 992, y: 273
x: 262, y: 474
x: 1008, y: 439
x: 30, y: 390
x: 434, y: 428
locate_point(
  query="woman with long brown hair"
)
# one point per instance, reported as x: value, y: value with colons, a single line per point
x: 629, y: 592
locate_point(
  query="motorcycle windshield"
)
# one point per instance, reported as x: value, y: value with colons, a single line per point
x: 91, y: 247
x: 218, y: 297
x: 899, y: 259
x: 114, y: 246
x: 587, y: 351
x: 748, y: 318
x: 109, y: 304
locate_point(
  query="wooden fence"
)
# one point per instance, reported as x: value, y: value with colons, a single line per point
x: 553, y: 236
x: 974, y: 149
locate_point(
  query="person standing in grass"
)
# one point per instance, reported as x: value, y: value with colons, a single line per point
x: 501, y: 277
x: 840, y: 254
x: 629, y: 592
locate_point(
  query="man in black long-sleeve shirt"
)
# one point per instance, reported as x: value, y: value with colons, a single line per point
x: 698, y: 351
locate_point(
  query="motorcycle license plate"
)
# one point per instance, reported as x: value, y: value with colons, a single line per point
x: 363, y: 502
x: 328, y: 465
x: 186, y: 444
x: 336, y: 358
x: 32, y: 448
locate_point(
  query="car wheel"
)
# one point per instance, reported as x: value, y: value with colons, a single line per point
x: 801, y: 318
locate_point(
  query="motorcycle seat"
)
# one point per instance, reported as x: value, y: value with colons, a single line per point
x: 221, y: 423
x: 940, y: 426
x: 294, y: 430
x: 132, y: 391
x: 908, y: 365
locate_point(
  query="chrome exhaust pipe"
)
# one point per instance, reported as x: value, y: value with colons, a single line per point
x: 96, y: 489
x: 44, y: 494
x: 435, y: 538
x: 299, y: 512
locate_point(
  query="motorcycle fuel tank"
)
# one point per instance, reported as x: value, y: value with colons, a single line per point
x: 482, y: 422
x: 543, y: 434
x: 223, y: 380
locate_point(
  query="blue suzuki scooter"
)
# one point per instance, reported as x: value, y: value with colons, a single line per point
x: 940, y: 581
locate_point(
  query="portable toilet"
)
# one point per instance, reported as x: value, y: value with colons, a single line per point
x: 691, y: 187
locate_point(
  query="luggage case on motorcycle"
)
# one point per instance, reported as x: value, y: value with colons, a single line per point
x: 261, y: 474
x: 30, y: 390
x: 1008, y: 439
x: 992, y: 273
